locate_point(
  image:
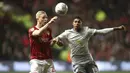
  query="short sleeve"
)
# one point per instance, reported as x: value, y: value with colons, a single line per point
x: 63, y: 37
x: 90, y: 31
x: 30, y: 31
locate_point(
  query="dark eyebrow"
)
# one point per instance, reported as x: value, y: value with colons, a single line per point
x: 77, y: 21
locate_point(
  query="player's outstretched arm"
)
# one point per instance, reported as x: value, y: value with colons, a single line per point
x: 107, y: 30
x: 42, y: 29
x: 122, y: 27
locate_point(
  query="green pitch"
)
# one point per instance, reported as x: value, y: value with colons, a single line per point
x: 71, y: 72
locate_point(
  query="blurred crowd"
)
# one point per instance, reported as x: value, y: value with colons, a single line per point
x: 14, y: 42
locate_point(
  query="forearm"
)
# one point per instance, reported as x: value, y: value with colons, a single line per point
x: 57, y: 41
x: 118, y: 28
x: 60, y: 43
x: 104, y: 31
x: 42, y: 29
x: 107, y: 30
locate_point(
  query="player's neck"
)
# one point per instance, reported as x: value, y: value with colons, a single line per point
x: 77, y: 29
x: 38, y: 25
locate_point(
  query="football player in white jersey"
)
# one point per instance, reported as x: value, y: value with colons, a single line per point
x: 77, y: 39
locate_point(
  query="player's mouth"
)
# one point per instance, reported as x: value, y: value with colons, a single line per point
x: 77, y: 26
x: 45, y: 21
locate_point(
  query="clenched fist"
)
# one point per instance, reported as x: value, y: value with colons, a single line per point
x: 53, y: 19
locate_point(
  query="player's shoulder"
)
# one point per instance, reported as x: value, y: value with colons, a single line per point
x: 69, y: 30
x: 88, y: 28
x: 31, y: 29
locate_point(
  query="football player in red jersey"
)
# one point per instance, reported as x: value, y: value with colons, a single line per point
x: 40, y: 39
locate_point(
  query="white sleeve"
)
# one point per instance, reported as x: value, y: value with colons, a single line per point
x: 90, y: 31
x: 63, y: 37
x: 104, y: 31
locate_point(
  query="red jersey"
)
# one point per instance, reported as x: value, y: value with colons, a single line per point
x: 40, y: 45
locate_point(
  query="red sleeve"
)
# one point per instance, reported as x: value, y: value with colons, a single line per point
x: 30, y: 31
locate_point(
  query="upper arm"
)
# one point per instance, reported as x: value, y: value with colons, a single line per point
x: 104, y: 31
x: 62, y: 35
x: 91, y: 31
x: 33, y: 32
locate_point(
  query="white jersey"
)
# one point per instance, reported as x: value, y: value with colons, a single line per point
x: 78, y: 43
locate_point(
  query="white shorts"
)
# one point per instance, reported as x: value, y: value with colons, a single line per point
x: 42, y: 66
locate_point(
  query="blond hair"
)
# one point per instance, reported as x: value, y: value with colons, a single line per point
x: 39, y: 13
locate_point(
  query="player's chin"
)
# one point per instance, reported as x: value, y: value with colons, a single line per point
x: 77, y: 27
x: 43, y: 24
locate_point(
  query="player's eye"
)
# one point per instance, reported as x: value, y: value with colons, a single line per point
x: 44, y: 17
x: 77, y: 21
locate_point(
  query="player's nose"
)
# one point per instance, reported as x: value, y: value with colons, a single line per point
x: 77, y: 24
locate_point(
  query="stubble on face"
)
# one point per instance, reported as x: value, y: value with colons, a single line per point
x: 77, y: 24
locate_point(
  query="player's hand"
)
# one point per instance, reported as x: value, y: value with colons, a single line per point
x: 122, y: 27
x: 56, y: 41
x: 53, y: 19
x: 53, y: 41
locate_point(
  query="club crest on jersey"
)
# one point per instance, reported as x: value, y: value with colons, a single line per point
x: 79, y: 43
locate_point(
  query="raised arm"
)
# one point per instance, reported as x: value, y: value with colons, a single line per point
x: 42, y: 29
